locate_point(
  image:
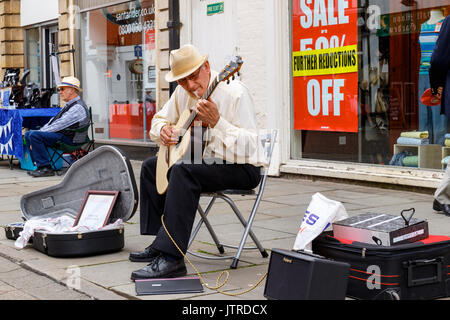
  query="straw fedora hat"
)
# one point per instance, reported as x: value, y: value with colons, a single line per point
x: 70, y: 82
x: 184, y: 61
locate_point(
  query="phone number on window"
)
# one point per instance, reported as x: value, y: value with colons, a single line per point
x: 136, y: 27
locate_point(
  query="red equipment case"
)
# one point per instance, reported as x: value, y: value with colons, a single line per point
x: 412, y: 271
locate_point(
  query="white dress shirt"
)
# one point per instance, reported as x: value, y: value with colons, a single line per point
x: 235, y: 137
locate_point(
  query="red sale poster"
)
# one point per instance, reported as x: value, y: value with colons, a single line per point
x: 325, y: 65
x: 150, y: 39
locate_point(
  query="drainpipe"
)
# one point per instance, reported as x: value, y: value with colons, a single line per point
x: 174, y: 31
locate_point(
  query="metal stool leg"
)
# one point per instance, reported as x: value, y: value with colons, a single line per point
x: 211, y: 230
x: 200, y: 222
x: 204, y: 219
x: 245, y: 224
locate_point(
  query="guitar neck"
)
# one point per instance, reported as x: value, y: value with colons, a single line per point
x: 211, y: 89
x: 206, y: 96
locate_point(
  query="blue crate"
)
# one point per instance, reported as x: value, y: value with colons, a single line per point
x: 27, y: 164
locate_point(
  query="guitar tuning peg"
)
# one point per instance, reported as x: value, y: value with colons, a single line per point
x: 233, y: 77
x: 239, y: 74
x: 228, y: 81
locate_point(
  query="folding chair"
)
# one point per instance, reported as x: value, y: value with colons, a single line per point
x: 267, y: 141
x: 53, y: 151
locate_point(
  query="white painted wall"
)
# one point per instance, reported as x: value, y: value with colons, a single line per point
x: 251, y: 44
x: 37, y: 11
x: 239, y: 30
x: 259, y: 32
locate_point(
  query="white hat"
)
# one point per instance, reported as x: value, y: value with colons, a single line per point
x: 70, y: 82
x: 184, y: 61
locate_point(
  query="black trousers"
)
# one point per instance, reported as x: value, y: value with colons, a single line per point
x: 179, y: 203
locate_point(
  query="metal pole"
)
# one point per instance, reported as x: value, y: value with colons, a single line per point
x: 174, y: 31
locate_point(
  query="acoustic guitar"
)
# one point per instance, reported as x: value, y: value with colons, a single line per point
x: 169, y: 155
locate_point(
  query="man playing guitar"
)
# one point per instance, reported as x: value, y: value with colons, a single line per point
x: 231, y: 160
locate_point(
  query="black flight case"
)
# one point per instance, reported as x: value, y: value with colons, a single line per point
x: 413, y: 271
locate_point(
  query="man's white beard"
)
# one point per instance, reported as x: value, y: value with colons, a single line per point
x: 196, y: 95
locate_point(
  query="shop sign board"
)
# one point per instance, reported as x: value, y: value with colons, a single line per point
x: 215, y: 8
x: 150, y: 39
x: 137, y: 51
x: 325, y: 65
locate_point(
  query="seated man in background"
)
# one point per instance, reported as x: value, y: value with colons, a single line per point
x: 74, y: 115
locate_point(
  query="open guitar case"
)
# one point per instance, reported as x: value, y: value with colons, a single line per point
x: 106, y: 168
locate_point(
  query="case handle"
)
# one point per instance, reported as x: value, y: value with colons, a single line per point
x: 416, y: 277
x: 407, y: 220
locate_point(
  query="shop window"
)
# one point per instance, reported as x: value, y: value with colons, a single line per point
x: 379, y: 99
x: 37, y: 62
x: 33, y: 55
x: 118, y: 54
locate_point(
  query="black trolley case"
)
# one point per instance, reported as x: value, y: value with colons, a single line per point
x: 414, y: 271
x: 106, y: 168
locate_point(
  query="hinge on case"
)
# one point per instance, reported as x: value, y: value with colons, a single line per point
x: 44, y: 244
x: 120, y: 230
x: 80, y: 236
x: 363, y: 252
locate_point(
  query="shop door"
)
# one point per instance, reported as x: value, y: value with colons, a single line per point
x: 214, y: 30
x: 50, y: 44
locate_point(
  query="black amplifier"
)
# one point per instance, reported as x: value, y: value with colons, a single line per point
x: 296, y: 275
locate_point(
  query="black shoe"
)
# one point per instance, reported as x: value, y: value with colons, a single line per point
x: 144, y: 256
x: 160, y: 267
x: 436, y: 205
x: 43, y: 172
x: 441, y: 207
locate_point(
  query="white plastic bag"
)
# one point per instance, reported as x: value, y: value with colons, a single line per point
x: 320, y: 214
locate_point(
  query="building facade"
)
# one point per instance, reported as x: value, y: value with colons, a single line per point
x: 341, y: 80
x: 113, y: 47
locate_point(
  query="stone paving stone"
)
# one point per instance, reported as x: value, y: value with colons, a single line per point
x: 4, y: 288
x: 96, y: 291
x: 7, y: 218
x: 7, y: 266
x: 222, y: 209
x: 110, y: 274
x: 10, y: 204
x: 14, y: 274
x: 16, y: 295
x: 284, y: 225
x: 294, y: 200
x: 28, y: 281
x: 232, y: 233
x: 55, y: 291
x: 376, y: 200
x: 284, y: 243
x: 48, y: 262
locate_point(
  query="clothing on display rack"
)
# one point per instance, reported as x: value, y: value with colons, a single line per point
x: 430, y: 118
